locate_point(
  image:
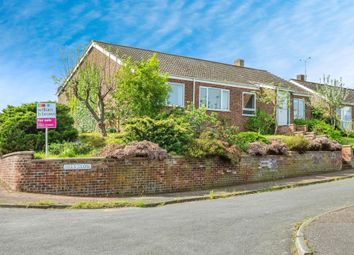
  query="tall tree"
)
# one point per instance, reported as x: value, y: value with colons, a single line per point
x: 141, y: 88
x: 91, y: 85
x: 334, y: 94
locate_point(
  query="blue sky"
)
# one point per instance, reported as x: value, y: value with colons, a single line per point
x: 271, y: 35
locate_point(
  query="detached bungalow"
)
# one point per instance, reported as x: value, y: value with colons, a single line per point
x: 345, y: 113
x: 229, y: 89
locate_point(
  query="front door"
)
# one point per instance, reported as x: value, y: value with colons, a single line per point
x: 282, y: 108
x: 345, y: 115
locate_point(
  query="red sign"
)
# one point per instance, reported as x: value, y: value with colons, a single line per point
x: 46, y: 115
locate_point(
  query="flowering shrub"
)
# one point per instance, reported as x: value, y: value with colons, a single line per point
x: 257, y: 149
x: 324, y: 144
x: 243, y: 139
x: 277, y: 147
x: 134, y: 149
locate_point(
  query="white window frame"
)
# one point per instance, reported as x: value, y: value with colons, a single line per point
x: 183, y: 91
x: 299, y: 99
x: 221, y: 99
x: 249, y: 109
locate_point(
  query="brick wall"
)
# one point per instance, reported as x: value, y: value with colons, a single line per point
x: 12, y: 167
x: 109, y: 177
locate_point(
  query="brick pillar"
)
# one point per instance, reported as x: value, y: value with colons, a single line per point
x: 347, y: 156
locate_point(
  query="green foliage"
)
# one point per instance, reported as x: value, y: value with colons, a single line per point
x: 243, y: 139
x: 18, y: 130
x: 300, y: 122
x: 296, y: 143
x: 203, y: 147
x: 141, y: 89
x: 94, y: 140
x: 323, y: 128
x: 115, y: 138
x: 83, y: 119
x: 262, y: 123
x: 69, y: 149
x: 170, y: 134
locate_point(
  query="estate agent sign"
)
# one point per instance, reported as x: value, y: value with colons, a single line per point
x: 46, y: 118
x: 46, y: 115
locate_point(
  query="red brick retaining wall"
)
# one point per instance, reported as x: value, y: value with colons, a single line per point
x: 109, y: 177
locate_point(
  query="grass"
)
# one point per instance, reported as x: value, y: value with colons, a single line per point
x: 348, y: 140
x: 114, y: 204
x: 42, y: 203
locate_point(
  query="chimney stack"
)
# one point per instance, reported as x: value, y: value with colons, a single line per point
x: 300, y: 77
x: 239, y: 62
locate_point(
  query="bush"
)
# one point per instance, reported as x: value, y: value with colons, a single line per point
x: 257, y: 149
x: 202, y: 147
x: 324, y: 144
x: 300, y: 122
x: 18, y: 130
x: 206, y: 147
x: 262, y: 123
x: 170, y: 134
x: 296, y: 143
x: 134, y: 149
x: 243, y: 139
x: 277, y: 147
x: 94, y: 140
x: 323, y: 128
x: 69, y: 149
x: 198, y: 119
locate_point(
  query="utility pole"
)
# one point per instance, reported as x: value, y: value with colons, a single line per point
x: 305, y: 60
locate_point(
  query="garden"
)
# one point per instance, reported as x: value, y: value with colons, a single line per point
x: 93, y: 124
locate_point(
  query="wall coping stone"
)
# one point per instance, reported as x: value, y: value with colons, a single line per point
x: 17, y: 153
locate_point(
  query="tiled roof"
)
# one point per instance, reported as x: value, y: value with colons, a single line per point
x: 202, y: 69
x: 313, y: 86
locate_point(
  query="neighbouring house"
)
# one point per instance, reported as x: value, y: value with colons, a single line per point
x: 345, y: 113
x: 228, y: 89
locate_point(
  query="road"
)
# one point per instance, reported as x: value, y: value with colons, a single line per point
x: 253, y: 224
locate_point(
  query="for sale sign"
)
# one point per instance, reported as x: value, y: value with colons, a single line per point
x: 46, y: 115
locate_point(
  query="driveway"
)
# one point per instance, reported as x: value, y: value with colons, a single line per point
x: 253, y: 224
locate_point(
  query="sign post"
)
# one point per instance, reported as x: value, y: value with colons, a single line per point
x: 46, y: 118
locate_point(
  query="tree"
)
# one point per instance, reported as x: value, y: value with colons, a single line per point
x: 91, y: 85
x: 141, y: 89
x: 334, y: 94
x: 18, y: 129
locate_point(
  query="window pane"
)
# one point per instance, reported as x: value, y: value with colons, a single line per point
x: 248, y: 101
x: 225, y: 100
x: 214, y: 98
x: 249, y: 112
x: 176, y: 95
x: 202, y: 97
x: 301, y: 109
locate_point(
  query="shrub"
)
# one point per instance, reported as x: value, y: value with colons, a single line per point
x: 115, y: 138
x: 205, y: 147
x: 277, y: 147
x: 69, y: 149
x: 296, y: 143
x: 257, y: 149
x: 198, y: 119
x: 18, y: 130
x: 134, y: 149
x: 202, y: 147
x: 262, y: 123
x: 324, y: 144
x: 170, y: 134
x: 244, y: 138
x: 300, y: 122
x: 323, y: 128
x: 94, y: 140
